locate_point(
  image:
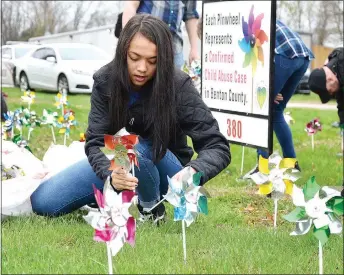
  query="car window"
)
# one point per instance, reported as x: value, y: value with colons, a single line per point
x: 20, y: 52
x: 6, y: 53
x: 82, y: 54
x: 39, y: 54
x: 49, y: 52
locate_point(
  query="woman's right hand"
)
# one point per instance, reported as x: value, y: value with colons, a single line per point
x: 122, y: 180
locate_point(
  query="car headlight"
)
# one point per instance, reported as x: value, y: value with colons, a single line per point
x: 76, y: 71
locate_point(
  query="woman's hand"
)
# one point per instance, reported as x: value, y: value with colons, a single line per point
x: 122, y: 180
x: 278, y: 97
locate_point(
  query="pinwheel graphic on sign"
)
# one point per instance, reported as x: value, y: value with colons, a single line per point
x: 115, y: 223
x: 275, y: 178
x: 321, y: 207
x: 254, y: 38
x: 312, y: 128
x: 188, y: 198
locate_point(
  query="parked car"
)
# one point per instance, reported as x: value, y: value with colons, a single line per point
x: 58, y: 66
x: 9, y: 56
x: 303, y: 87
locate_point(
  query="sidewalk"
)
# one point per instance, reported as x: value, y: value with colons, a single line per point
x: 312, y: 106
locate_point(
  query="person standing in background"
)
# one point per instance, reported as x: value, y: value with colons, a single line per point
x: 172, y: 13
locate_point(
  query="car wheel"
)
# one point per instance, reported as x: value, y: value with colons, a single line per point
x: 62, y: 84
x: 24, y: 82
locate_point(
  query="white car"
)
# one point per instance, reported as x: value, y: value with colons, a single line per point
x: 9, y: 56
x: 59, y: 66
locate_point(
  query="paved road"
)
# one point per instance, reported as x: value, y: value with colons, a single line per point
x: 312, y: 106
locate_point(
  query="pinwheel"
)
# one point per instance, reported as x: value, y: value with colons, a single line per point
x: 288, y: 118
x: 50, y: 118
x: 253, y: 40
x: 28, y: 97
x: 17, y: 139
x: 11, y: 172
x: 61, y: 101
x: 82, y: 137
x: 65, y: 123
x: 115, y: 222
x: 188, y: 198
x: 194, y: 71
x: 275, y: 178
x: 318, y: 207
x: 127, y: 157
x: 312, y: 128
x: 7, y: 127
x: 32, y: 122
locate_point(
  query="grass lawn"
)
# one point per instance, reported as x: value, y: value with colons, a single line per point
x: 236, y: 237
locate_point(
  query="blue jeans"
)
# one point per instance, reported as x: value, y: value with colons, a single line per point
x: 288, y: 73
x: 72, y: 188
x: 179, y: 59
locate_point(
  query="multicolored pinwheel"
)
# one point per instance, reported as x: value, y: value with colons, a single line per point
x: 124, y: 145
x: 50, y: 118
x: 276, y: 176
x: 115, y: 222
x: 22, y: 143
x: 32, y: 122
x: 61, y: 101
x: 82, y: 137
x: 253, y: 40
x: 66, y: 122
x: 187, y: 196
x: 318, y: 206
x: 7, y: 126
x: 313, y: 127
x: 194, y: 71
x: 321, y: 207
x: 288, y: 118
x: 28, y: 97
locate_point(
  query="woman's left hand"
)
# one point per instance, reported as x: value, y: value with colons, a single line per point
x: 278, y: 98
x: 181, y: 173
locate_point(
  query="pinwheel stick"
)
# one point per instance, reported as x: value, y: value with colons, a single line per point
x: 64, y: 139
x: 275, y: 214
x: 52, y: 131
x: 313, y: 142
x: 184, y: 240
x: 133, y: 168
x: 242, y: 160
x: 320, y: 259
x: 109, y: 258
x: 29, y: 134
x: 156, y: 205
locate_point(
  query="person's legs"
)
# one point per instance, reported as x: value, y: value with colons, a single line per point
x: 281, y: 128
x: 153, y: 177
x: 288, y: 73
x: 66, y: 191
x: 179, y: 59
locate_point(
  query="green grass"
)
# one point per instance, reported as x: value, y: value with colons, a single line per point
x: 311, y: 98
x: 236, y: 237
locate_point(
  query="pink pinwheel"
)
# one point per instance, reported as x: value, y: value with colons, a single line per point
x: 114, y: 224
x: 253, y: 40
x: 313, y: 126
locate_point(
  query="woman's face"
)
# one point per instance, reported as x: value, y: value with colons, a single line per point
x: 141, y: 58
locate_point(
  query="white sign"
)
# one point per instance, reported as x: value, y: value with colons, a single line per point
x: 243, y: 129
x: 236, y: 64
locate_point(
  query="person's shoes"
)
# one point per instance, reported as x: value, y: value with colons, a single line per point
x: 157, y: 215
x: 297, y: 166
x: 251, y: 172
x: 335, y: 124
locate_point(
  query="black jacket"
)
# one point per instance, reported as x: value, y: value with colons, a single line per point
x: 336, y: 65
x: 194, y: 120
